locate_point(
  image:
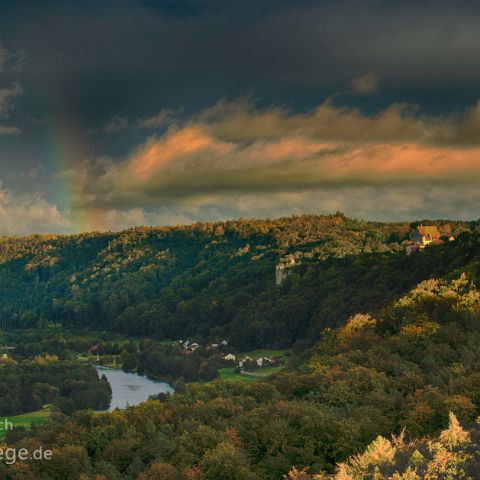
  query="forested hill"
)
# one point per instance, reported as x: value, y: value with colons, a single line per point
x: 217, y: 280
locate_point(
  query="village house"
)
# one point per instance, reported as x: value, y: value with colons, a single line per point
x: 244, y: 360
x: 230, y: 357
x: 264, y: 362
x: 189, y: 347
x: 192, y: 347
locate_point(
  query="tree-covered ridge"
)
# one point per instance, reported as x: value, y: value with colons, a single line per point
x: 403, y: 369
x: 213, y: 280
x: 410, y: 366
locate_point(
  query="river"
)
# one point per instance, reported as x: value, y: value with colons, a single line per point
x: 130, y: 388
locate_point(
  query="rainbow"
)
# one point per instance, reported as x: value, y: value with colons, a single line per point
x: 66, y: 147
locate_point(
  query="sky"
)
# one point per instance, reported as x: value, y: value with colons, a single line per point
x: 122, y: 113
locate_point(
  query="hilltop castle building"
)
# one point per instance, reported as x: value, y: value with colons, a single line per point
x: 284, y: 267
x: 424, y: 235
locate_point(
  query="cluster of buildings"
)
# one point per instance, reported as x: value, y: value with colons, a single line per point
x: 189, y: 347
x: 424, y: 235
x: 249, y: 363
x: 244, y: 362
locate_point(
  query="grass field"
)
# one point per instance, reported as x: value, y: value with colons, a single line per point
x: 266, y: 353
x: 229, y: 374
x: 26, y: 420
x: 266, y: 372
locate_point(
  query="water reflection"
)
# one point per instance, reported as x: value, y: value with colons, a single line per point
x: 130, y: 388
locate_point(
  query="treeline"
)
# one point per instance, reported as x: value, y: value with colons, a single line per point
x: 69, y: 386
x: 403, y: 369
x: 214, y: 280
x: 170, y: 363
x: 166, y: 361
x: 54, y: 340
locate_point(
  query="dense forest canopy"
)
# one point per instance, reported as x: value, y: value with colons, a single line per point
x: 69, y: 386
x: 382, y: 343
x: 412, y: 370
x: 214, y: 280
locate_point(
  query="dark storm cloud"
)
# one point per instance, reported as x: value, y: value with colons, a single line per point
x: 10, y: 61
x: 127, y: 57
x: 177, y: 8
x: 332, y: 83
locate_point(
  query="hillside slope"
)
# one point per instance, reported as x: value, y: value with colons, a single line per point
x: 404, y: 369
x: 215, y: 280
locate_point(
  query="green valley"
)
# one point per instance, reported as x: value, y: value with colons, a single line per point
x: 273, y: 380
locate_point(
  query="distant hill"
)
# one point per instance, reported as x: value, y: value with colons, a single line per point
x: 217, y: 280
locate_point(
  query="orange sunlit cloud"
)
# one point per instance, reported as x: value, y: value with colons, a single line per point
x: 176, y: 145
x: 192, y: 151
x: 235, y: 148
x: 406, y: 160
